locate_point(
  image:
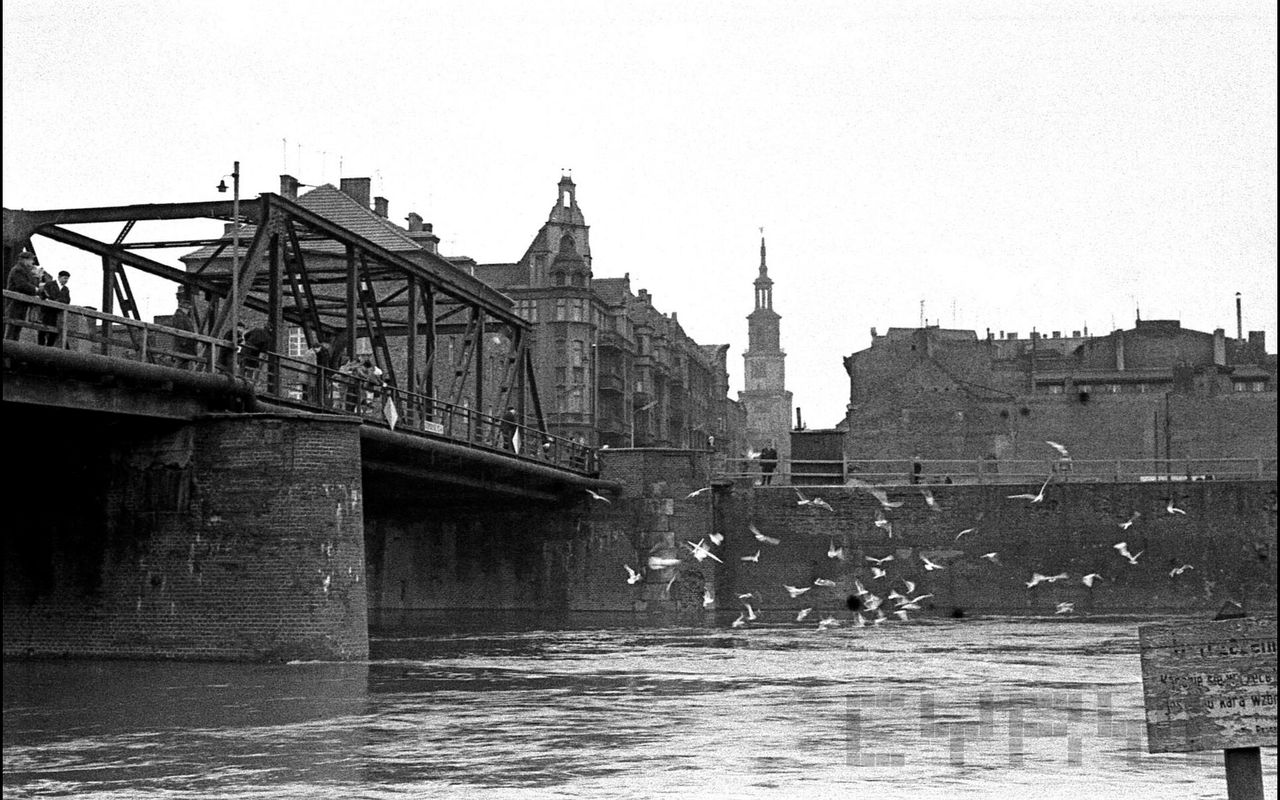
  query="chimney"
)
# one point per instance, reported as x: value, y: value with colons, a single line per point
x: 421, y: 233
x: 380, y: 206
x: 289, y: 187
x: 1075, y: 334
x: 415, y: 221
x: 1220, y: 347
x: 357, y: 189
x: 1239, y: 321
x: 1057, y: 334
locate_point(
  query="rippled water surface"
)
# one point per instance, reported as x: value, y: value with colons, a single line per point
x: 968, y: 708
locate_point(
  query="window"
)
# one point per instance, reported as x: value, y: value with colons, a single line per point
x: 576, y: 353
x: 539, y: 270
x: 759, y: 370
x: 575, y: 400
x: 297, y: 341
x: 560, y: 309
x: 560, y: 373
x: 575, y: 309
x: 364, y: 346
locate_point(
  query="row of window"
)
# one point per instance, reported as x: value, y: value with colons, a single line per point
x: 1143, y: 388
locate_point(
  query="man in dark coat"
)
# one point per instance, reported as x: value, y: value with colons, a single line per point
x: 22, y: 279
x: 768, y: 461
x: 508, y: 425
x: 58, y: 292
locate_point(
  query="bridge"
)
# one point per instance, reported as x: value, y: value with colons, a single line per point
x: 444, y: 354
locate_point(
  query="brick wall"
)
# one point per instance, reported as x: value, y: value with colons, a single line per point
x: 236, y: 537
x: 1228, y: 535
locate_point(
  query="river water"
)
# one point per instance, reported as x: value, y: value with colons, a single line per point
x: 989, y: 708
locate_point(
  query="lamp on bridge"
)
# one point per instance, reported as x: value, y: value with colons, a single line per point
x: 235, y: 253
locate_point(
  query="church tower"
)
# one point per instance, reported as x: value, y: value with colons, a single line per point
x: 766, y: 399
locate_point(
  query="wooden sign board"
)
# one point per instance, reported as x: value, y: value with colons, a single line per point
x: 1209, y: 685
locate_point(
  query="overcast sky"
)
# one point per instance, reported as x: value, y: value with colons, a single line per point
x: 1010, y: 164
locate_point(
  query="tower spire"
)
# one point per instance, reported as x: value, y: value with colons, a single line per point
x: 764, y: 268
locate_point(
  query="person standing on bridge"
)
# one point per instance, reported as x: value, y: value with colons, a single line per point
x: 768, y: 462
x: 23, y: 279
x: 509, y: 424
x: 57, y: 291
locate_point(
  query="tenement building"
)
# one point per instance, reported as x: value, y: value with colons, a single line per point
x: 1155, y: 391
x: 766, y: 400
x: 611, y: 367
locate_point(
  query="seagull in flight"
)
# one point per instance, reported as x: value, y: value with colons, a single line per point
x: 746, y: 596
x: 1123, y: 549
x: 697, y: 492
x: 751, y: 613
x: 708, y: 599
x: 814, y: 501
x: 701, y: 552
x: 994, y: 558
x: 901, y: 613
x: 823, y: 582
x: 598, y: 496
x: 1127, y: 524
x: 874, y: 491
x: 1065, y: 608
x: 755, y: 558
x: 760, y: 537
x: 716, y: 538
x: 658, y: 562
x: 835, y: 552
x: 632, y: 575
x: 879, y: 561
x: 929, y: 500
x: 1180, y: 570
x: 912, y: 601
x: 828, y: 622
x: 859, y: 621
x: 911, y: 586
x: 794, y: 592
x: 963, y: 532
x: 1172, y: 509
x: 929, y: 565
x: 804, y: 612
x: 1037, y: 578
x: 740, y: 621
x: 877, y: 573
x: 1062, y: 451
x: 883, y: 524
x: 1035, y: 498
x: 1088, y: 580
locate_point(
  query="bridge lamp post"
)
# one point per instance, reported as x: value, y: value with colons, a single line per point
x: 235, y: 257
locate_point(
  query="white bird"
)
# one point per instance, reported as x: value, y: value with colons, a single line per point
x: 994, y: 558
x: 760, y: 537
x: 859, y: 589
x: 1127, y: 524
x: 794, y: 592
x: 911, y: 586
x: 815, y: 501
x: 879, y: 561
x: 874, y: 491
x: 859, y: 621
x: 708, y: 600
x: 1180, y: 570
x: 598, y: 496
x: 755, y: 558
x: 917, y: 599
x: 929, y: 565
x: 829, y: 622
x: 880, y: 618
x: 893, y: 595
x: 746, y: 596
x: 1088, y: 580
x: 701, y: 552
x: 1123, y: 549
x: 667, y: 591
x: 716, y: 538
x: 883, y: 524
x: 871, y: 602
x: 877, y: 573
x: 804, y: 612
x: 1172, y: 509
x: 963, y: 532
x: 1037, y: 578
x: 751, y: 613
x: 1035, y: 498
x: 823, y: 582
x: 1065, y: 608
x: 835, y: 552
x: 753, y: 453
x: 740, y: 621
x: 902, y: 613
x: 697, y: 492
x: 1061, y: 450
x: 658, y: 562
x: 930, y: 500
x: 632, y: 575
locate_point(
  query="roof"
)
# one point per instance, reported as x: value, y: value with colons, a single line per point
x: 613, y: 291
x: 501, y: 276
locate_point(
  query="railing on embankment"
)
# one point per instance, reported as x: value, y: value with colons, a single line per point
x: 292, y: 381
x: 899, y: 472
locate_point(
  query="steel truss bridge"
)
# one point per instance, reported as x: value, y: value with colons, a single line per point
x: 451, y: 352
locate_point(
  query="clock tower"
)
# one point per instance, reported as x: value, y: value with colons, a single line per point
x: 766, y: 399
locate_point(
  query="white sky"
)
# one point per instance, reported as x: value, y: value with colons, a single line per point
x: 1011, y: 164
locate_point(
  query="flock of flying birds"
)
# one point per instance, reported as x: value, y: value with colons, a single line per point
x: 868, y: 601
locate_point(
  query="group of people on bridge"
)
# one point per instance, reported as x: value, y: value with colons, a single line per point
x: 26, y: 277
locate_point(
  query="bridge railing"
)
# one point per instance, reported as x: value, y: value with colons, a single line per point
x: 900, y: 472
x: 292, y: 381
